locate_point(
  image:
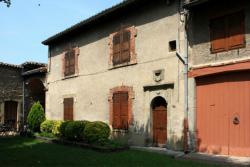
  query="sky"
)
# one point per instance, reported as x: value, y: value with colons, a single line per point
x: 26, y: 23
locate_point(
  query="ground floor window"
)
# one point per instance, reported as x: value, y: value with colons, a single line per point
x: 68, y: 109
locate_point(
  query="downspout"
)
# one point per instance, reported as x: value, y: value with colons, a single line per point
x: 185, y: 56
x: 184, y: 59
x: 23, y: 101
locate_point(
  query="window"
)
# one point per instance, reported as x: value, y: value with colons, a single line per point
x: 172, y: 46
x: 227, y: 32
x: 68, y: 109
x: 70, y: 62
x: 120, y: 110
x: 122, y: 47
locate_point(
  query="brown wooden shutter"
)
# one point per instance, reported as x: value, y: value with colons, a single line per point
x: 66, y: 64
x: 124, y: 110
x: 120, y: 110
x: 116, y: 49
x: 236, y: 30
x: 125, y: 47
x: 72, y: 62
x: 116, y: 111
x: 218, y: 35
x: 68, y: 108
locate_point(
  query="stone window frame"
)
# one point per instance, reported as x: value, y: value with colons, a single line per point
x: 133, y: 35
x: 130, y: 103
x: 77, y: 53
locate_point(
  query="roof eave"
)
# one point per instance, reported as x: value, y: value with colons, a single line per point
x: 194, y: 3
x: 90, y: 20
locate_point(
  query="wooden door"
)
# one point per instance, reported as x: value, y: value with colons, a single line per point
x: 160, y: 125
x: 223, y: 114
x: 10, y: 114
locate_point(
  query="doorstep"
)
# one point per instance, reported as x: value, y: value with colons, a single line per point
x: 219, y: 159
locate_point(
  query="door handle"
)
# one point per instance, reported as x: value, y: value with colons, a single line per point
x: 236, y: 120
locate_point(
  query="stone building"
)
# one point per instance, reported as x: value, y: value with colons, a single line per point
x: 20, y: 84
x: 219, y: 76
x: 120, y: 67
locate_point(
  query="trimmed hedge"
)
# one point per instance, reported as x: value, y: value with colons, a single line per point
x: 91, y: 132
x: 47, y: 126
x: 97, y: 132
x: 74, y: 130
x: 35, y: 117
x: 50, y: 126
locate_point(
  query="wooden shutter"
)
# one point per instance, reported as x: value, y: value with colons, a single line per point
x: 124, y: 110
x: 66, y: 64
x: 116, y: 49
x: 68, y: 108
x: 218, y: 35
x: 120, y: 110
x: 236, y: 30
x: 69, y: 63
x: 72, y: 62
x: 125, y: 47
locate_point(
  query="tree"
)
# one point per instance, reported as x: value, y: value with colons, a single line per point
x: 8, y: 2
x: 35, y: 117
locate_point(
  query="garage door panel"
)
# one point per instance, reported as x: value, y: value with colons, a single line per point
x: 221, y: 98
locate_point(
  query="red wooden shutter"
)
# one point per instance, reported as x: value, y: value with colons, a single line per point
x: 236, y: 30
x: 116, y: 49
x: 125, y: 46
x: 218, y: 35
x: 120, y: 110
x: 124, y: 110
x: 72, y: 62
x: 66, y: 64
x: 68, y: 108
x: 116, y: 111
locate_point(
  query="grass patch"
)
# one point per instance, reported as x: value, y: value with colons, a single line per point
x: 23, y: 152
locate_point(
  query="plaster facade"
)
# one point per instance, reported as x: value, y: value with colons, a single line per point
x: 156, y: 24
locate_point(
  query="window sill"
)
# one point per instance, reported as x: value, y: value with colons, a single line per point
x: 111, y: 66
x: 227, y: 50
x: 70, y: 76
x: 119, y: 131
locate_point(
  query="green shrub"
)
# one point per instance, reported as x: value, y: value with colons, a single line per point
x: 56, y: 128
x: 97, y: 132
x: 36, y: 117
x: 75, y: 130
x: 63, y: 127
x: 47, y: 126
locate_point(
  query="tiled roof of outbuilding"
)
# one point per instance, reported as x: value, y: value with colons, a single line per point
x: 10, y: 65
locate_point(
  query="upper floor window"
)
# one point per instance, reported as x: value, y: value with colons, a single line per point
x: 70, y: 63
x: 122, y: 47
x: 227, y: 32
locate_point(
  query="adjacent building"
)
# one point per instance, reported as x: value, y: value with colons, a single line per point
x: 219, y: 87
x: 20, y: 86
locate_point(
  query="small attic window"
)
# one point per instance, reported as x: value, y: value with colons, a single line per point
x: 172, y: 46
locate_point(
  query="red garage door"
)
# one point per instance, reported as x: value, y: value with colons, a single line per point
x: 223, y: 114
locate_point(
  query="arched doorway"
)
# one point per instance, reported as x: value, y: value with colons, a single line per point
x: 36, y: 91
x: 159, y: 112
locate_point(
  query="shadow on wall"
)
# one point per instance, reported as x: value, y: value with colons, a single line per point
x: 141, y: 135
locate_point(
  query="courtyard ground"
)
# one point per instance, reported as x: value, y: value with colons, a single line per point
x: 27, y: 152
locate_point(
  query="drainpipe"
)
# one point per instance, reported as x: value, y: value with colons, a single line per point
x: 23, y: 100
x: 185, y: 54
x: 184, y: 59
